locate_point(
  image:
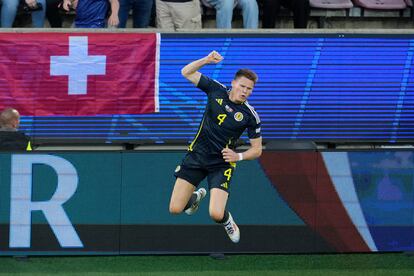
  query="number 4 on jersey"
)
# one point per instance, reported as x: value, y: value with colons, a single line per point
x: 221, y: 118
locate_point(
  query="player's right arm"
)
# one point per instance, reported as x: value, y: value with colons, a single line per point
x: 190, y: 71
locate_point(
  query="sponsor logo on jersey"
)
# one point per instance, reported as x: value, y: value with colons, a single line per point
x: 238, y: 116
x: 228, y: 108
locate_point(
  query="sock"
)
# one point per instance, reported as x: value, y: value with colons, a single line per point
x: 193, y: 198
x: 225, y: 217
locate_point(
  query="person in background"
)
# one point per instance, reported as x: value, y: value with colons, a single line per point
x: 93, y: 13
x: 300, y: 9
x: 178, y: 14
x: 224, y: 12
x: 141, y: 12
x: 53, y: 13
x: 37, y: 8
x: 10, y: 137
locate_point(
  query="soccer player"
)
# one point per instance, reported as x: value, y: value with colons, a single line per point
x: 211, y: 154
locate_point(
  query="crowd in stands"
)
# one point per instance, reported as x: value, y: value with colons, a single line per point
x: 168, y: 14
x: 174, y: 14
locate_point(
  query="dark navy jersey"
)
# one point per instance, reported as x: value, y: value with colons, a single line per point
x: 223, y: 121
x: 91, y: 13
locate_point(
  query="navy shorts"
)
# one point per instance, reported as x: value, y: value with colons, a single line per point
x: 195, y: 167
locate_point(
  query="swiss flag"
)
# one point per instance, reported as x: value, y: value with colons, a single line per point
x: 79, y: 74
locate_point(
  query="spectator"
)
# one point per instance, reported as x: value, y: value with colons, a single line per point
x: 178, y: 14
x: 300, y: 9
x: 224, y: 12
x: 92, y: 13
x: 53, y: 13
x: 9, y: 10
x: 152, y: 22
x: 141, y: 12
x: 10, y: 137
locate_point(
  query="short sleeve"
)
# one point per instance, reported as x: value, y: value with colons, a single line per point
x: 209, y: 85
x: 254, y: 128
x: 254, y: 131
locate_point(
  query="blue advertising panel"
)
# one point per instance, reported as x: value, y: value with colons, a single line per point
x: 315, y: 87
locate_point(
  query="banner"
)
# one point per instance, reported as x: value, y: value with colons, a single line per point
x: 110, y: 202
x: 79, y: 74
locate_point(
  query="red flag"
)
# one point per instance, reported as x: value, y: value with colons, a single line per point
x: 75, y: 74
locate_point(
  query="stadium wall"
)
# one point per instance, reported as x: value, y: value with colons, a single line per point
x: 72, y: 203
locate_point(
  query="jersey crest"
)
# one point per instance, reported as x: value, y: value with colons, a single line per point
x: 238, y: 116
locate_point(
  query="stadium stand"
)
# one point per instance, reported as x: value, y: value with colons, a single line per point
x: 381, y: 5
x: 337, y: 14
x: 329, y: 5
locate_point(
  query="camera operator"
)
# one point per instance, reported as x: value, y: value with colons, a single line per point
x: 10, y: 137
x: 35, y: 7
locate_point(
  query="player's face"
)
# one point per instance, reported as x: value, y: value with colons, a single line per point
x: 241, y: 89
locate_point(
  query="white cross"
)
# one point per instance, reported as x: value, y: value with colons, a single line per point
x: 78, y: 65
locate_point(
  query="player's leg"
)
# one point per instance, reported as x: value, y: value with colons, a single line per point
x: 185, y: 198
x: 219, y: 182
x: 194, y: 202
x: 218, y: 212
x: 218, y: 202
x: 181, y: 195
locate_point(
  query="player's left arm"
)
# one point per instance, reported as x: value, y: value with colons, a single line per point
x: 253, y: 152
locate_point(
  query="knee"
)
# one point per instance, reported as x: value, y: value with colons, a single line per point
x: 175, y: 209
x: 248, y: 4
x: 223, y: 5
x: 216, y: 215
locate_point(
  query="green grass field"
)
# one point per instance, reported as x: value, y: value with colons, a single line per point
x: 302, y: 265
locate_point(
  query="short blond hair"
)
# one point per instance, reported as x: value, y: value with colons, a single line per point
x: 248, y: 74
